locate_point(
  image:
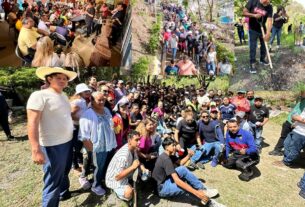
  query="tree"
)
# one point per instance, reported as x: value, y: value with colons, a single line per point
x: 210, y: 5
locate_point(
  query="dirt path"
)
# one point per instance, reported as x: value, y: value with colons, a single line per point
x: 288, y: 68
x: 21, y: 181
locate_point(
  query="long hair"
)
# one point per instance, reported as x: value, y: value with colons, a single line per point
x: 44, y: 52
x: 141, y: 128
x: 74, y: 61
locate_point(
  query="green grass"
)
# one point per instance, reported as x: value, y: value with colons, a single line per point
x: 280, y: 119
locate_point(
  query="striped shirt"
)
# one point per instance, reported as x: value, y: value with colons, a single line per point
x: 122, y: 159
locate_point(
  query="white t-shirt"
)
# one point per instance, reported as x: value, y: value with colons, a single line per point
x: 203, y: 99
x: 211, y: 56
x: 82, y: 105
x: 300, y: 127
x: 173, y: 42
x: 55, y: 124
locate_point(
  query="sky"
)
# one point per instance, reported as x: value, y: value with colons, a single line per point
x: 301, y: 1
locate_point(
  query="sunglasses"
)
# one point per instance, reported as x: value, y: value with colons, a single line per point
x: 110, y: 100
x: 105, y: 91
x: 205, y: 117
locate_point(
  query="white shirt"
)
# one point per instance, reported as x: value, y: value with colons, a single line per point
x: 42, y: 25
x: 211, y: 56
x: 82, y: 105
x: 203, y: 99
x: 173, y: 42
x: 55, y: 124
x: 122, y: 159
x: 300, y: 127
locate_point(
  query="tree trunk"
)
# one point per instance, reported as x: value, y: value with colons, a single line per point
x: 199, y: 12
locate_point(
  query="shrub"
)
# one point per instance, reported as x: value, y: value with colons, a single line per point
x: 140, y: 68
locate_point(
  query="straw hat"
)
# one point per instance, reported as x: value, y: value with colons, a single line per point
x: 42, y: 72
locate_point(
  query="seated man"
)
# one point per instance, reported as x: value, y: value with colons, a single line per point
x: 171, y: 69
x: 28, y: 38
x: 210, y: 132
x: 295, y: 141
x: 122, y: 165
x: 177, y: 181
x: 241, y: 151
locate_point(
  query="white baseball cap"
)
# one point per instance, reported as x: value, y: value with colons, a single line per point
x: 82, y: 87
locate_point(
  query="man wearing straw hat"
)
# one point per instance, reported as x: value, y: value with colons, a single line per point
x: 50, y: 129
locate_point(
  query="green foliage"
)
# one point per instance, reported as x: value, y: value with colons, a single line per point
x: 280, y: 119
x: 140, y: 68
x: 223, y: 52
x: 180, y: 81
x: 154, y: 42
x: 21, y: 77
x: 299, y: 87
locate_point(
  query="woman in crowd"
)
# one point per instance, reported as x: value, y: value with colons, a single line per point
x: 147, y: 129
x: 45, y: 55
x: 121, y: 121
x: 79, y: 104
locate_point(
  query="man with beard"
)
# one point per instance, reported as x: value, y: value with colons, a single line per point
x: 241, y: 152
x: 260, y: 15
x: 250, y: 97
x: 258, y: 117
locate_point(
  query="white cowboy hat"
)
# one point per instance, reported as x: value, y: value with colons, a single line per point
x: 42, y: 72
x: 82, y: 87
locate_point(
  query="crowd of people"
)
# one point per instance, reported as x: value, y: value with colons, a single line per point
x: 165, y: 132
x: 45, y: 33
x: 197, y: 49
x: 260, y: 14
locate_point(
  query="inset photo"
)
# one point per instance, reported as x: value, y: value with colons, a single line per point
x: 52, y: 33
x: 183, y: 38
x: 269, y: 44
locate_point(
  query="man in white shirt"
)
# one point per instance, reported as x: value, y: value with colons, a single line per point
x: 295, y: 140
x: 121, y: 167
x: 50, y: 129
x: 202, y: 97
x: 42, y: 23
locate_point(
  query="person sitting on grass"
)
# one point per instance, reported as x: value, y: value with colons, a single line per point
x: 122, y: 165
x: 294, y: 142
x: 175, y: 181
x: 241, y: 151
x: 210, y: 132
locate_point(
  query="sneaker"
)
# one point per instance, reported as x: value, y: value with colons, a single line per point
x: 214, y: 203
x: 302, y: 194
x: 192, y: 166
x: 263, y: 62
x: 253, y: 69
x: 84, y: 183
x: 246, y: 175
x: 200, y: 165
x: 276, y: 153
x: 98, y: 190
x: 211, y: 193
x: 214, y: 162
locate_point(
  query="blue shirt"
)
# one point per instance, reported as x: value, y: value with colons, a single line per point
x: 241, y: 140
x: 171, y: 70
x: 227, y: 112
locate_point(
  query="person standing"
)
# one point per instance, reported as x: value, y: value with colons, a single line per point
x: 97, y: 133
x: 4, y: 112
x: 258, y: 117
x: 279, y: 18
x: 173, y: 44
x: 90, y: 12
x: 260, y: 15
x: 50, y: 131
x: 240, y: 31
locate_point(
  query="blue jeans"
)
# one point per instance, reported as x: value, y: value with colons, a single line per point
x: 174, y: 51
x: 205, y: 149
x: 211, y: 66
x: 253, y: 45
x: 276, y: 32
x: 302, y: 182
x: 241, y: 36
x: 56, y: 171
x: 293, y: 145
x: 258, y: 131
x: 169, y: 188
x: 99, y: 161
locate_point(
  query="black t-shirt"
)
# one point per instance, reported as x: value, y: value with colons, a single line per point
x: 187, y: 132
x: 164, y: 167
x: 240, y: 27
x: 134, y: 118
x: 280, y: 22
x: 258, y: 114
x: 119, y: 15
x: 255, y: 7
